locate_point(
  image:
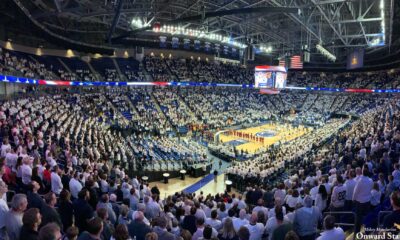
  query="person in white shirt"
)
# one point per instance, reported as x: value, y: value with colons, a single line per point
x: 3, y: 209
x: 272, y: 223
x: 331, y: 232
x: 214, y: 222
x: 75, y: 186
x: 260, y: 207
x: 56, y: 184
x: 338, y: 195
x: 256, y: 229
x: 362, y: 196
x: 314, y: 190
x: 350, y: 185
x: 240, y: 221
x: 375, y: 195
x: 26, y: 171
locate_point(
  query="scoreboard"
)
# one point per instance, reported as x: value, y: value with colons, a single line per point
x: 270, y: 77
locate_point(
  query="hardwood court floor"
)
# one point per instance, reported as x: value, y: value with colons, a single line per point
x: 284, y: 133
x: 177, y: 185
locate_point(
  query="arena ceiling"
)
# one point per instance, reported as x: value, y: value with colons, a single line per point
x: 338, y: 25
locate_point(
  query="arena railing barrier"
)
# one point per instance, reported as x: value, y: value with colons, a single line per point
x: 14, y: 79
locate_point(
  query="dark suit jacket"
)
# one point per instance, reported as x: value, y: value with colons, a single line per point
x: 49, y: 215
x: 82, y: 211
x: 189, y: 223
x: 138, y: 229
x: 35, y: 201
x: 28, y: 234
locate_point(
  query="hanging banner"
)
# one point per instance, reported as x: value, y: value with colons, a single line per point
x: 226, y: 50
x: 196, y: 45
x: 216, y: 47
x: 175, y: 42
x: 186, y: 43
x: 207, y: 46
x: 163, y: 41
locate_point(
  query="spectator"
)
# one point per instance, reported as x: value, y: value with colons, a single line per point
x: 256, y: 229
x: 160, y: 229
x: 137, y: 228
x: 331, y: 232
x: 241, y: 220
x: 283, y: 227
x: 274, y: 222
x: 65, y: 209
x: 244, y: 233
x: 34, y: 199
x: 362, y: 196
x: 71, y: 233
x: 394, y: 217
x: 48, y: 211
x: 94, y: 230
x: 199, y: 229
x: 56, y: 184
x: 307, y: 229
x: 3, y: 209
x: 31, y: 222
x: 189, y: 222
x: 108, y: 228
x: 14, y: 216
x: 228, y: 231
x: 82, y: 210
x: 50, y: 231
x: 214, y: 222
x: 121, y: 233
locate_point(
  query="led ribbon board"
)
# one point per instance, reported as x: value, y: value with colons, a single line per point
x: 22, y: 80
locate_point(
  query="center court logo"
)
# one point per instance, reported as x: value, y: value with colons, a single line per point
x: 378, y: 233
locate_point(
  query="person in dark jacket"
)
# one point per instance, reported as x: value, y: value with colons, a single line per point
x: 34, y: 200
x: 155, y: 191
x: 108, y: 229
x: 66, y: 209
x: 137, y: 228
x: 189, y: 222
x: 82, y: 210
x: 48, y: 211
x: 31, y: 221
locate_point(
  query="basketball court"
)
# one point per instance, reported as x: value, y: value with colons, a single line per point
x: 252, y: 139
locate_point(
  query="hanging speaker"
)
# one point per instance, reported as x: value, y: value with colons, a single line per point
x: 250, y: 53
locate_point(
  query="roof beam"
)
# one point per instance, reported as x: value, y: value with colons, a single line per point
x: 359, y: 20
x: 115, y: 20
x: 329, y: 22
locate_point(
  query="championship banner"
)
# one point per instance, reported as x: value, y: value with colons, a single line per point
x: 186, y: 43
x: 196, y: 44
x: 226, y: 50
x: 234, y: 51
x: 175, y: 42
x: 163, y: 41
x: 207, y: 46
x: 216, y: 47
x: 355, y: 59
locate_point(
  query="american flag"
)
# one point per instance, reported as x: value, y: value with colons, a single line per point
x: 295, y: 62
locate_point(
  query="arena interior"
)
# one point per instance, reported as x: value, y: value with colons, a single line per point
x: 199, y: 119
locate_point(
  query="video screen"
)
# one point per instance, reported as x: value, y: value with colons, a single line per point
x: 270, y: 77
